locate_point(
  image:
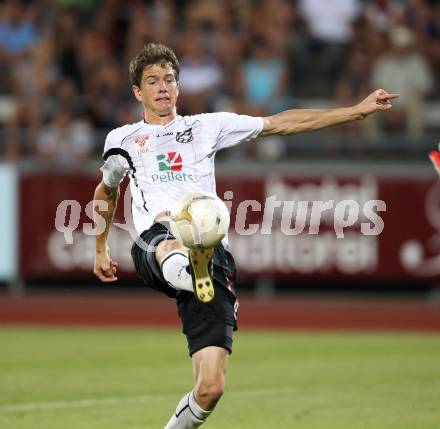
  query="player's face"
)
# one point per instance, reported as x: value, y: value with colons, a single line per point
x: 158, y: 91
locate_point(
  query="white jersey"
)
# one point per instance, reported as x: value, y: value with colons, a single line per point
x: 166, y: 162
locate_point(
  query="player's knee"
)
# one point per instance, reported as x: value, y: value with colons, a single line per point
x: 212, y: 391
x: 165, y: 247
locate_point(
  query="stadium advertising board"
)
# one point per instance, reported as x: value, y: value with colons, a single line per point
x: 323, y: 227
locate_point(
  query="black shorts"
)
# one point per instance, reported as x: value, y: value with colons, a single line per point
x: 204, y: 325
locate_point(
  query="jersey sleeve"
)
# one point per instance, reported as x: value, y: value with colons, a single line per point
x: 115, y: 165
x: 234, y: 129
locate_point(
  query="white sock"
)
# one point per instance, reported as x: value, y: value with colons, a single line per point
x: 188, y: 414
x: 174, y: 271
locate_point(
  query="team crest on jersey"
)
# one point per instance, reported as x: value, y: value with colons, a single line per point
x: 185, y: 136
x: 141, y: 142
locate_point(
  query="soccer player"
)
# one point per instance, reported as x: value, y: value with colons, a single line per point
x: 167, y: 156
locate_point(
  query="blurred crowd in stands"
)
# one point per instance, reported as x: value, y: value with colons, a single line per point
x: 64, y: 80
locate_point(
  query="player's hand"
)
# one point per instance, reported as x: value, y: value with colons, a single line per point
x: 105, y: 269
x: 377, y: 100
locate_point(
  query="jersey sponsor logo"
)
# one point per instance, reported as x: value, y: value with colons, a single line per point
x: 172, y: 176
x: 169, y: 133
x: 171, y: 161
x: 170, y: 167
x: 141, y: 142
x: 185, y: 136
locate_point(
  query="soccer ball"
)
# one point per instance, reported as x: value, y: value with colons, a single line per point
x: 200, y: 220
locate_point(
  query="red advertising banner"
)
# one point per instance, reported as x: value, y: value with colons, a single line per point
x: 319, y: 228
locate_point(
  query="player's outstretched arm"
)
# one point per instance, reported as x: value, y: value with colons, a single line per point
x: 105, y: 268
x: 300, y: 120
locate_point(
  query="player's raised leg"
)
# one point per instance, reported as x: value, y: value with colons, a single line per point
x: 200, y: 222
x: 209, y: 366
x: 201, y: 270
x: 191, y: 272
x: 172, y: 258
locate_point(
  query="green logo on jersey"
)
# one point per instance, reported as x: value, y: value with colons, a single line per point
x: 171, y: 164
x: 171, y: 161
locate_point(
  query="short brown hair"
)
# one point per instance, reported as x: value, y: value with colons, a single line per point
x: 152, y: 53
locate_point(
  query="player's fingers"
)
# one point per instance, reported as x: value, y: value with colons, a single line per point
x: 387, y: 96
x: 108, y: 275
x: 108, y: 272
x: 113, y: 266
x: 109, y: 279
x: 100, y: 275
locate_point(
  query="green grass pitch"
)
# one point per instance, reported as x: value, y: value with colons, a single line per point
x: 133, y: 378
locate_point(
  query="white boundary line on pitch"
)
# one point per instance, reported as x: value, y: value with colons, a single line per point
x: 85, y: 403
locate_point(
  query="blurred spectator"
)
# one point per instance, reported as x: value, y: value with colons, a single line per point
x: 423, y: 17
x: 221, y: 26
x: 66, y: 39
x: 138, y: 32
x: 106, y: 95
x: 274, y: 20
x: 17, y: 30
x: 372, y: 32
x: 329, y: 32
x: 241, y: 55
x: 93, y: 51
x: 350, y: 89
x: 330, y: 22
x: 356, y: 74
x: 33, y: 78
x: 66, y: 96
x: 433, y: 50
x: 263, y: 82
x: 417, y: 15
x: 18, y: 36
x: 348, y: 137
x: 263, y: 90
x: 65, y: 138
x: 201, y: 76
x: 381, y: 15
x: 406, y: 72
x: 206, y: 12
